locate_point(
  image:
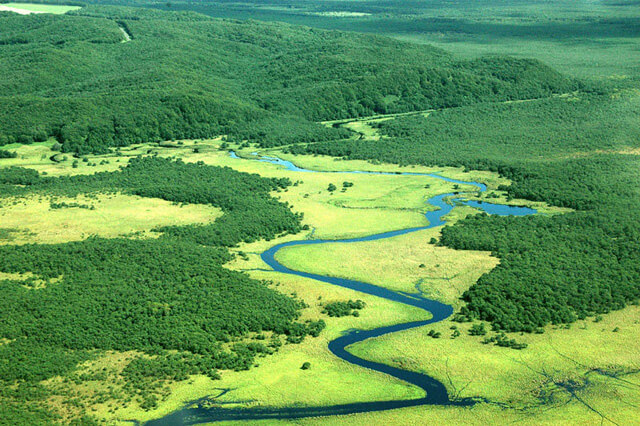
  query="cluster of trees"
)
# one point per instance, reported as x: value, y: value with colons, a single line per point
x: 136, y: 294
x: 185, y: 75
x: 553, y: 269
x: 281, y: 130
x: 502, y: 340
x: 342, y: 309
x: 7, y: 154
x: 17, y: 176
x: 458, y: 21
x: 154, y: 296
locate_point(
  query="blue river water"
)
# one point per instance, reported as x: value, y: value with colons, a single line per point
x: 436, y: 393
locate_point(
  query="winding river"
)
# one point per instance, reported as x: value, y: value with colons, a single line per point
x: 436, y: 393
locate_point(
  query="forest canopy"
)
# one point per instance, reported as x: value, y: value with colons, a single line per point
x: 185, y: 75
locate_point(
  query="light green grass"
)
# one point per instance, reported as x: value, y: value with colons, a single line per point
x: 521, y: 378
x: 32, y: 220
x: 43, y: 8
x: 400, y: 263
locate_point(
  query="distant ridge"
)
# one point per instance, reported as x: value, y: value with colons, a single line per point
x: 186, y: 75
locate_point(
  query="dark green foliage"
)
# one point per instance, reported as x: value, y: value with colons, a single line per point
x: 18, y: 176
x: 179, y: 366
x: 280, y: 130
x: 190, y: 76
x: 135, y: 294
x: 315, y: 327
x: 17, y: 408
x: 7, y: 154
x: 305, y: 366
x: 63, y: 205
x: 331, y: 187
x: 434, y: 334
x: 17, y: 360
x: 503, y: 341
x: 552, y: 269
x: 341, y: 309
x: 477, y: 330
x: 500, y: 137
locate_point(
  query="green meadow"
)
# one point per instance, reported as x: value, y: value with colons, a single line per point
x: 42, y: 8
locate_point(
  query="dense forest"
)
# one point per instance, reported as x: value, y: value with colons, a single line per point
x: 567, y: 151
x: 169, y: 298
x: 75, y: 77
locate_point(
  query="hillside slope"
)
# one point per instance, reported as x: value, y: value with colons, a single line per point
x: 185, y: 75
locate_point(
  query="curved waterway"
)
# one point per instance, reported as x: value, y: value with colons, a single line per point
x: 436, y: 393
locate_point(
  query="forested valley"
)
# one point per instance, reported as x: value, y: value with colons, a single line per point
x: 101, y: 78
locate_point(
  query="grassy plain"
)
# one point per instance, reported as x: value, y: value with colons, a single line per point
x: 404, y: 263
x: 391, y: 202
x: 42, y: 8
x: 588, y: 373
x: 36, y: 220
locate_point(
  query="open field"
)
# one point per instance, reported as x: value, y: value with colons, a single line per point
x: 45, y: 220
x: 589, y: 373
x: 404, y: 263
x: 583, y: 371
x: 26, y: 8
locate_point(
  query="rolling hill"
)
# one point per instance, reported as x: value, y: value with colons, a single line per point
x: 108, y: 76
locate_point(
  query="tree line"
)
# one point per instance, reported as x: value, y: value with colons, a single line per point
x: 186, y: 75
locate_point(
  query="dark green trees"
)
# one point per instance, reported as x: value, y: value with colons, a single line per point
x: 186, y: 75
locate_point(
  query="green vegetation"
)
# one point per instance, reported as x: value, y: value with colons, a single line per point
x: 585, y: 373
x: 585, y: 38
x: 169, y: 298
x: 553, y: 269
x: 341, y: 309
x: 157, y: 310
x: 185, y: 75
x: 152, y: 378
x: 251, y: 213
x: 560, y: 373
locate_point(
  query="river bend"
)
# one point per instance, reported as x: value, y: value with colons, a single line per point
x: 436, y: 393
